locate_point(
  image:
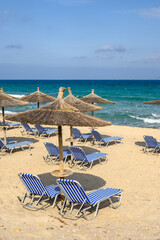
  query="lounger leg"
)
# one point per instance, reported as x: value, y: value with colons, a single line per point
x: 96, y: 212
x: 119, y: 202
x: 54, y: 202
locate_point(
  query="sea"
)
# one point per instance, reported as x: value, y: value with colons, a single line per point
x: 129, y: 96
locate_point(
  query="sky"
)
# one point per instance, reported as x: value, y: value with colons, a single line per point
x: 80, y: 39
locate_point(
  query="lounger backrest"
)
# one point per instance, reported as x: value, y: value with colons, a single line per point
x: 52, y: 149
x: 97, y: 135
x: 151, y: 142
x: 33, y: 183
x: 76, y: 133
x: 26, y: 126
x: 1, y: 144
x: 78, y: 153
x: 72, y: 190
x: 40, y: 129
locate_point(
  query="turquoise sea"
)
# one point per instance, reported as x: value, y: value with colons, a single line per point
x: 129, y: 96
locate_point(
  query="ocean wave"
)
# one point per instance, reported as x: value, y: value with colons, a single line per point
x: 146, y: 120
x: 7, y: 112
x: 17, y: 95
x: 155, y: 115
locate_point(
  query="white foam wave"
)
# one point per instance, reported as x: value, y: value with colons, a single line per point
x: 17, y: 95
x: 146, y: 120
x: 7, y: 112
x: 155, y: 115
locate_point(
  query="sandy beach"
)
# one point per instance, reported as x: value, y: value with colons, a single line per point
x: 128, y: 168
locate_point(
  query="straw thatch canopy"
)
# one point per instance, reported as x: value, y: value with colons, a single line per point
x: 9, y: 101
x: 157, y: 102
x: 79, y: 104
x: 38, y: 97
x: 93, y: 98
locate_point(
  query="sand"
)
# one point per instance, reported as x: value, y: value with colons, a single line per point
x: 128, y: 168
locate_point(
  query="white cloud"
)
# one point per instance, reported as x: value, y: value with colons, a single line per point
x: 109, y: 48
x: 154, y: 58
x: 150, y: 12
x: 106, y: 57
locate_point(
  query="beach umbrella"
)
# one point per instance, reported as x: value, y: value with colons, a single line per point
x: 93, y: 98
x: 38, y: 97
x: 58, y: 113
x: 81, y: 106
x: 157, y: 102
x: 8, y: 101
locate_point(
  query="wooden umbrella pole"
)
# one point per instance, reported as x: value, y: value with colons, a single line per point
x: 37, y: 104
x: 4, y: 129
x: 71, y: 135
x: 60, y: 149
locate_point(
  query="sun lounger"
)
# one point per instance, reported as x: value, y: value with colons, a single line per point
x: 151, y: 144
x: 45, y: 132
x: 9, y: 141
x: 100, y: 140
x: 11, y: 147
x: 53, y: 152
x: 28, y: 129
x: 35, y: 188
x: 9, y: 124
x: 75, y: 195
x: 79, y: 136
x: 80, y: 156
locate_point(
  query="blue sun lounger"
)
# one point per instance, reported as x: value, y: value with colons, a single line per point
x: 35, y: 188
x: 44, y: 131
x: 75, y: 195
x: 9, y: 141
x: 78, y: 135
x: 80, y: 156
x: 28, y: 129
x: 12, y: 146
x: 151, y: 144
x: 100, y: 140
x: 9, y: 124
x: 53, y: 152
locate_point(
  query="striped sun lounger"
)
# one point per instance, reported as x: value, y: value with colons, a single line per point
x: 100, y: 140
x: 10, y: 147
x: 53, y: 152
x: 80, y: 156
x: 36, y: 191
x: 76, y: 196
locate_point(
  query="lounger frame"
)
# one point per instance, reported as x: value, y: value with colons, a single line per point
x: 78, y: 192
x: 30, y: 199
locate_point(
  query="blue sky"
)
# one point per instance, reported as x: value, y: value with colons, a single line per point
x: 80, y: 39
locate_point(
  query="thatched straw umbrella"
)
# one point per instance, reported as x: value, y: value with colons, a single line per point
x: 157, y: 102
x: 61, y: 114
x: 38, y: 97
x: 8, y: 101
x: 93, y: 98
x: 81, y: 106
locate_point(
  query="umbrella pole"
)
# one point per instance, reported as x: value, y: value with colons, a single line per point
x: 60, y: 149
x: 37, y: 104
x: 71, y: 135
x: 4, y: 129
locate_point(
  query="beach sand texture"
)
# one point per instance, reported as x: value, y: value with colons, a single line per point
x: 128, y: 168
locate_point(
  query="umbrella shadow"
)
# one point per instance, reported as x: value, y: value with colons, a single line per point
x: 88, y: 181
x: 141, y: 144
x: 88, y: 150
x: 22, y: 139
